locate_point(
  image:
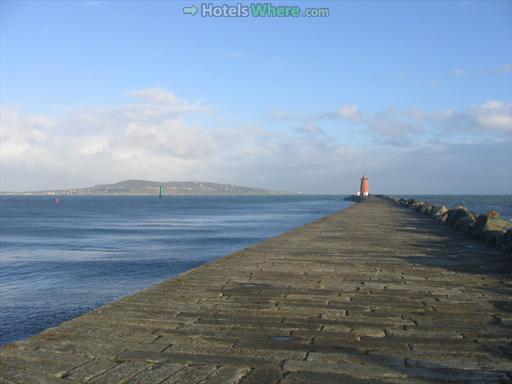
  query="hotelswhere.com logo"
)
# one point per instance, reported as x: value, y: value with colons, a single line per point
x: 253, y: 10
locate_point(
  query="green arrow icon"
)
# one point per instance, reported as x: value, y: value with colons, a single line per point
x: 190, y: 10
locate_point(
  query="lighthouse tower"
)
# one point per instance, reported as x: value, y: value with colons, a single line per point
x: 364, y: 190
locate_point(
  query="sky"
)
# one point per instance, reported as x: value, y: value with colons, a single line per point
x: 416, y: 95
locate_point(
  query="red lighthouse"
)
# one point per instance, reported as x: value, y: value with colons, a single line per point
x: 364, y: 190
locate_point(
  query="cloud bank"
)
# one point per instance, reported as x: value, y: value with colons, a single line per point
x: 163, y: 137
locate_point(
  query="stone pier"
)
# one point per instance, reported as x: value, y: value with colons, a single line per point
x: 374, y: 294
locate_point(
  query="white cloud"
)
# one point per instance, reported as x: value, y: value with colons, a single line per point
x: 460, y: 72
x: 93, y: 145
x: 18, y: 132
x: 351, y: 112
x: 491, y: 119
x: 163, y: 101
x: 493, y: 115
x: 90, y: 145
x: 155, y: 140
x: 395, y: 127
x: 311, y: 128
x: 348, y: 112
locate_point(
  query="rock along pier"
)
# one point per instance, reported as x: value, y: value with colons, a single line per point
x: 374, y: 294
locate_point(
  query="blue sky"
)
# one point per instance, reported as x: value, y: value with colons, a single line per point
x: 384, y: 88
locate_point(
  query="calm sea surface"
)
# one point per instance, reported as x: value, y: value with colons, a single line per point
x: 58, y: 261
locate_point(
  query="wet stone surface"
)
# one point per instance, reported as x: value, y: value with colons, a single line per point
x: 374, y: 294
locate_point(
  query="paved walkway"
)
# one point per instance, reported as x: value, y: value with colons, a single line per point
x: 374, y: 294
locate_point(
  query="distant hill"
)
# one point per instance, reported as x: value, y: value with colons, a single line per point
x: 144, y: 187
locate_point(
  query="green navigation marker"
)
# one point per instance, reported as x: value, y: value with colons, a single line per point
x: 190, y: 10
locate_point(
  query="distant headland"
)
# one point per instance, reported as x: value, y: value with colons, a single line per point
x: 145, y: 187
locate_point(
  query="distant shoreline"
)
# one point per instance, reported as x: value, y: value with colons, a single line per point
x: 151, y: 188
x: 165, y: 195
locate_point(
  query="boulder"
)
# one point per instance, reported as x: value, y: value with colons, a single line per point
x: 406, y: 202
x: 488, y: 228
x: 456, y: 214
x: 438, y: 211
x: 419, y: 206
x: 493, y: 237
x: 434, y: 210
x: 423, y: 207
x: 480, y: 224
x: 465, y: 224
x: 505, y: 241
